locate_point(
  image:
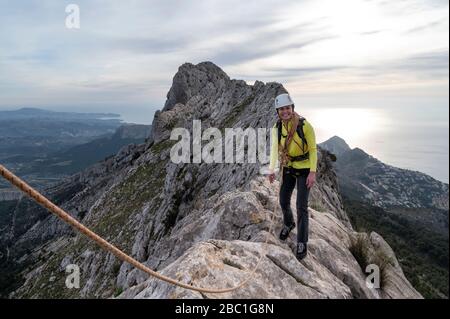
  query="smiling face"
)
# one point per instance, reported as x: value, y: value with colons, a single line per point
x: 285, y: 112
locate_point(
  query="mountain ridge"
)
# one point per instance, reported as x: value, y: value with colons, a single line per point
x: 200, y: 223
x: 364, y: 176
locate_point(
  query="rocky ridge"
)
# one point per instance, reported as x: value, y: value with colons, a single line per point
x: 204, y: 224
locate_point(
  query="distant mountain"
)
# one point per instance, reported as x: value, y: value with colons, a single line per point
x: 33, y: 113
x: 336, y: 145
x: 408, y: 208
x: 79, y: 157
x: 365, y: 178
x: 44, y: 146
x: 60, y: 126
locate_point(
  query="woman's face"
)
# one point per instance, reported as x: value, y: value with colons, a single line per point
x: 285, y: 112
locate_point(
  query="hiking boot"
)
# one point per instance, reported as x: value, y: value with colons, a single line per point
x: 285, y: 231
x: 302, y: 250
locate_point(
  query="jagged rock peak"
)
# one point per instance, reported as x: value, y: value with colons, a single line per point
x: 192, y: 79
x: 207, y: 93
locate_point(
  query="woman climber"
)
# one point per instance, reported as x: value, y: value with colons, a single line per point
x: 294, y: 145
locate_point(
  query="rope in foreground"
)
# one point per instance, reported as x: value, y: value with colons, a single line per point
x: 59, y: 212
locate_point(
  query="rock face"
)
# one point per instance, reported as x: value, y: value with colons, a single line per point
x: 204, y: 224
x: 133, y: 131
x: 331, y: 271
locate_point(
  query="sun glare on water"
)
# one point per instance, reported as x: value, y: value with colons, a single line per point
x: 356, y: 126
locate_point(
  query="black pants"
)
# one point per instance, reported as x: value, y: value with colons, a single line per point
x: 291, y: 177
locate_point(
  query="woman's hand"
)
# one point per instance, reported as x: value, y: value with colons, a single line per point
x: 311, y: 179
x: 271, y: 176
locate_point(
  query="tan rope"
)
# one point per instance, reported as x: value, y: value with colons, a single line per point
x: 283, y: 150
x: 43, y: 201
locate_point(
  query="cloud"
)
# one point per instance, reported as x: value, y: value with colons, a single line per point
x: 417, y: 68
x: 433, y: 60
x: 271, y: 41
x: 426, y: 26
x: 302, y: 71
x: 247, y: 51
x: 409, y: 6
x: 125, y: 50
x: 433, y: 64
x: 150, y: 45
x: 371, y: 32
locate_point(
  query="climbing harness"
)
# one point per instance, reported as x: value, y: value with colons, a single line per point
x: 297, y: 126
x: 300, y: 132
x: 59, y: 212
x: 283, y: 153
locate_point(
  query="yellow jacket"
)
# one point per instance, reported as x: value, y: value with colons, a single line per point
x: 295, y: 147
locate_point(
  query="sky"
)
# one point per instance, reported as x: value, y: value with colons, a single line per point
x: 373, y: 72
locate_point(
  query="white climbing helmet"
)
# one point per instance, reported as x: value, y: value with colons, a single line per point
x: 283, y: 100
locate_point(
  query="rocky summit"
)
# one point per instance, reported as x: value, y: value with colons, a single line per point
x: 203, y: 224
